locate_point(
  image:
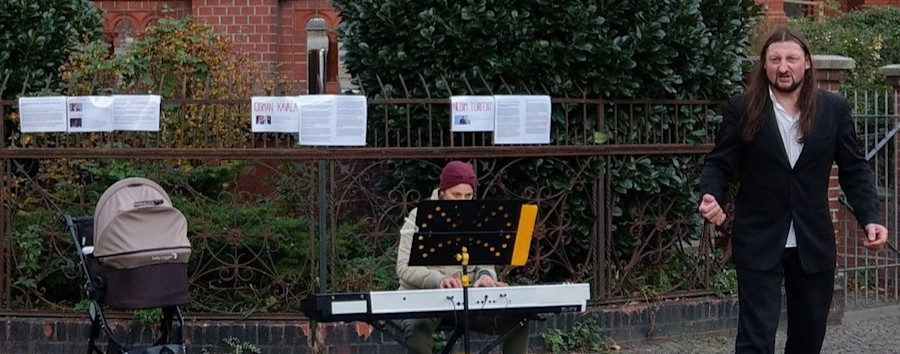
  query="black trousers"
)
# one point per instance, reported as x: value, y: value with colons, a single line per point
x: 808, y: 299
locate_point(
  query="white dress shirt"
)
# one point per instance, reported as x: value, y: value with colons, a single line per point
x: 787, y: 125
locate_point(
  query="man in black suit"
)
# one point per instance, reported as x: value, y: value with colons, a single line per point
x: 780, y: 138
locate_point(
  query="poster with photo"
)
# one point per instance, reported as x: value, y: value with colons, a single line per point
x: 274, y: 114
x: 89, y: 114
x: 471, y: 113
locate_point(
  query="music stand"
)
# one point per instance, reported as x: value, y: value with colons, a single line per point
x: 479, y: 232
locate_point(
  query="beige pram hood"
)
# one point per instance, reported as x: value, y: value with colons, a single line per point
x: 135, y: 225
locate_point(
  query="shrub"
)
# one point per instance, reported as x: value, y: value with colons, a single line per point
x: 35, y: 37
x: 614, y: 49
x: 585, y: 336
x: 617, y: 50
x: 870, y: 36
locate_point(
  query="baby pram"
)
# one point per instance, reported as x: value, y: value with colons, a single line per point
x: 133, y: 252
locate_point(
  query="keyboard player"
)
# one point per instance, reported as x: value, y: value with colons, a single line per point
x: 457, y: 182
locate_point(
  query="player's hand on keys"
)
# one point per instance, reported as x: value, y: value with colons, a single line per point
x: 487, y: 281
x: 451, y: 281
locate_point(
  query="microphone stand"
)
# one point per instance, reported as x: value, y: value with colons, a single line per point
x: 464, y: 259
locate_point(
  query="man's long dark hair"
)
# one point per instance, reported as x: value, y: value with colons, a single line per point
x: 756, y: 96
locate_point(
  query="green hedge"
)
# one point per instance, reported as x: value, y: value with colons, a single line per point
x: 871, y: 37
x: 611, y: 49
x: 35, y: 39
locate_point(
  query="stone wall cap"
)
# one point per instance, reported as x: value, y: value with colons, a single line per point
x: 890, y: 70
x: 838, y: 62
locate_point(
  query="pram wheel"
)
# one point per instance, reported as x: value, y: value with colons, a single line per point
x: 99, y: 289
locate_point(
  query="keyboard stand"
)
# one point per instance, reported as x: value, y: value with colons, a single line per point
x: 497, y: 341
x: 391, y: 329
x: 463, y: 258
x: 522, y: 323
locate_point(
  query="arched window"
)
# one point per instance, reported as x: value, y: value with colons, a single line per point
x: 125, y: 32
x: 317, y: 54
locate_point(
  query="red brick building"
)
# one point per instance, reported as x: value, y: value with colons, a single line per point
x: 778, y: 11
x: 279, y: 34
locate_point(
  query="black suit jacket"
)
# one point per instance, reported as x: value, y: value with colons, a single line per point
x: 771, y: 193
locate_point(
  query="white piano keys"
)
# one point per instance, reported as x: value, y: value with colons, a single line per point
x: 509, y: 297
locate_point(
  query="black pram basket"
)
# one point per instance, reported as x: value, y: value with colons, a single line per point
x: 134, y: 252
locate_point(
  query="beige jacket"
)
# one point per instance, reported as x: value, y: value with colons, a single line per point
x: 419, y: 277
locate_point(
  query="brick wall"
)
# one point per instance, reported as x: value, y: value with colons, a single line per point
x: 626, y: 324
x: 251, y: 24
x: 774, y: 9
x: 142, y: 6
x: 869, y: 3
x: 830, y: 79
x: 142, y: 13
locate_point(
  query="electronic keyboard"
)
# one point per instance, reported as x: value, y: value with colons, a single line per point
x: 386, y: 305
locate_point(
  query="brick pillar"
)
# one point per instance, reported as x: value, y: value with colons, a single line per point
x: 774, y: 10
x: 831, y: 70
x: 892, y: 78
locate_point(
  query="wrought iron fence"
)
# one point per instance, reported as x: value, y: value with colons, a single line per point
x: 613, y: 189
x: 873, y: 278
x: 253, y: 200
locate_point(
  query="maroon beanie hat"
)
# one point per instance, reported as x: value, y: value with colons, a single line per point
x: 456, y: 173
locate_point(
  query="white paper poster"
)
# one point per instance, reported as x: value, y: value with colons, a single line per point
x: 274, y: 114
x: 136, y: 112
x: 333, y: 120
x: 522, y: 119
x: 472, y: 113
x: 42, y: 114
x: 90, y: 113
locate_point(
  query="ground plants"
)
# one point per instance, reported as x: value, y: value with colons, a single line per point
x: 725, y: 283
x: 232, y: 345
x: 584, y: 337
x: 147, y: 317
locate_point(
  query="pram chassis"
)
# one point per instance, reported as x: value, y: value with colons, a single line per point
x: 94, y: 287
